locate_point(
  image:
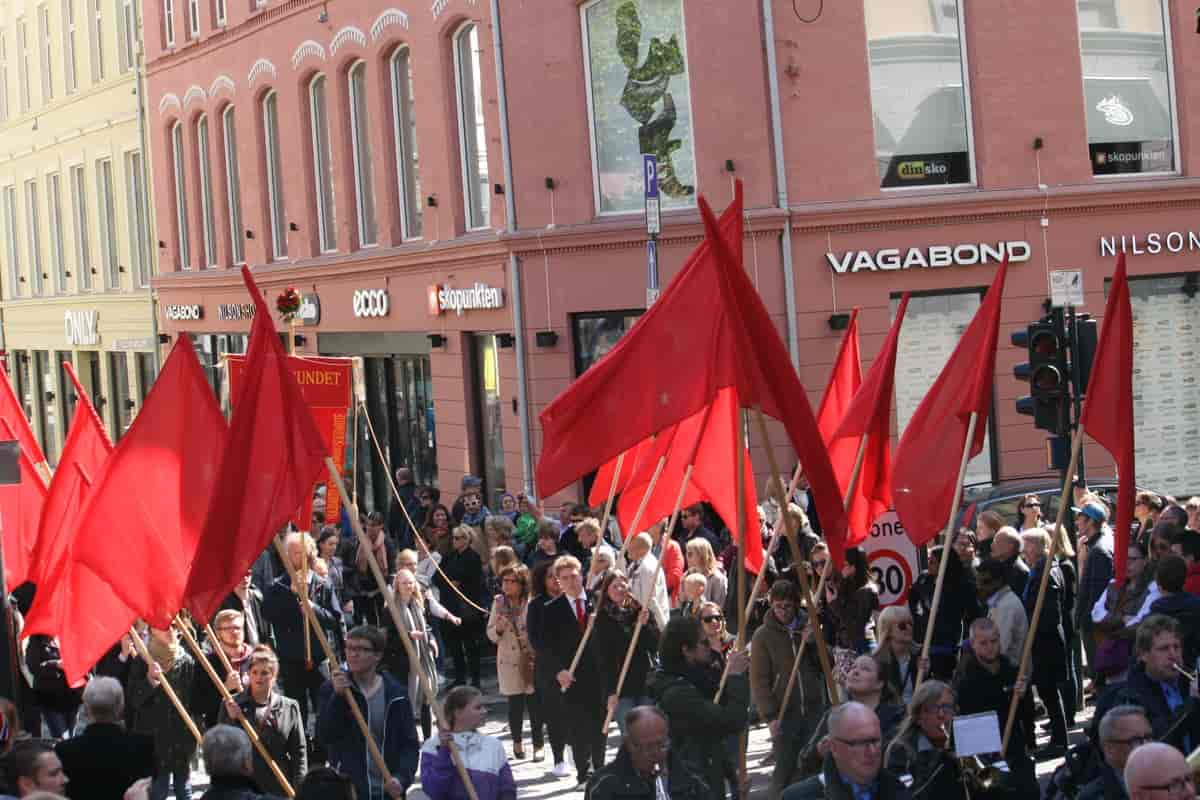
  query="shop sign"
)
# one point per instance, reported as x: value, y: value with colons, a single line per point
x: 132, y: 345
x: 235, y: 311
x: 181, y: 311
x: 1150, y: 243
x: 479, y: 296
x: 82, y: 327
x: 938, y: 255
x: 371, y: 303
x: 310, y: 309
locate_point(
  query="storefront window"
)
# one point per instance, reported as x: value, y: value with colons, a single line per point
x: 24, y: 384
x: 1166, y: 372
x: 122, y: 403
x: 210, y: 348
x: 596, y: 334
x: 399, y: 392
x: 489, y: 440
x: 88, y: 369
x: 43, y: 385
x: 1127, y: 87
x: 66, y: 396
x: 640, y: 101
x: 921, y: 109
x: 145, y: 375
x: 933, y: 326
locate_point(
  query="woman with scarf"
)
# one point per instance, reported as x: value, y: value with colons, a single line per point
x: 274, y: 717
x: 369, y: 605
x: 462, y: 570
x: 514, y: 657
x: 1117, y: 613
x: 411, y: 601
x: 617, y: 613
x: 153, y: 713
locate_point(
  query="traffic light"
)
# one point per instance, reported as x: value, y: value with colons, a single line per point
x: 1086, y: 338
x: 1048, y: 374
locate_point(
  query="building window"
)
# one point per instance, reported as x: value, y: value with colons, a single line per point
x: 70, y: 71
x: 194, y: 19
x: 58, y: 247
x: 44, y: 53
x: 10, y: 236
x: 220, y: 12
x: 322, y: 171
x: 96, y: 34
x: 66, y: 398
x: 145, y: 375
x: 1127, y: 87
x: 639, y: 101
x: 33, y: 235
x: 47, y: 427
x: 364, y: 190
x: 206, y: 200
x: 127, y: 24
x: 118, y: 388
x: 597, y: 333
x: 404, y: 121
x: 270, y: 107
x: 3, y: 75
x: 471, y: 133
x: 135, y: 206
x: 23, y: 66
x: 233, y: 188
x: 108, y: 223
x: 79, y: 215
x: 921, y: 110
x: 169, y: 22
x: 181, y: 209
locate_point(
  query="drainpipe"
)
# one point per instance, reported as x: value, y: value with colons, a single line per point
x: 785, y: 239
x: 139, y: 77
x: 516, y: 297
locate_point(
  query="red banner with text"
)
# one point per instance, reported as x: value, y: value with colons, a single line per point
x: 327, y: 386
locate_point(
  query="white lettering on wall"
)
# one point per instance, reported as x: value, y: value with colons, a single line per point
x: 938, y: 255
x: 479, y: 296
x: 1149, y: 244
x: 82, y: 327
x: 371, y: 303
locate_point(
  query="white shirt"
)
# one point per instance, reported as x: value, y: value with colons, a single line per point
x: 1100, y: 610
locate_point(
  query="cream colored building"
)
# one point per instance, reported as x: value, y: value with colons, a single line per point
x: 76, y: 253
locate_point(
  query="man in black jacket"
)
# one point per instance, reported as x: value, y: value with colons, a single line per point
x: 228, y: 760
x: 248, y: 600
x: 105, y: 760
x: 1173, y: 601
x: 563, y: 623
x: 1006, y: 548
x: 645, y: 759
x: 1050, y: 644
x: 1123, y: 730
x: 853, y: 769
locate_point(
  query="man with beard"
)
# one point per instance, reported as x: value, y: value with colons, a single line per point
x: 985, y: 681
x: 684, y: 689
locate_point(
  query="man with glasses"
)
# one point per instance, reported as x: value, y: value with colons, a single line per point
x: 773, y: 651
x: 1157, y: 771
x: 1122, y: 730
x: 644, y: 763
x: 385, y: 706
x: 853, y: 768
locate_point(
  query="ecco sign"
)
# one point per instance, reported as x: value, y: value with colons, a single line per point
x: 959, y: 255
x: 81, y: 327
x: 183, y: 312
x: 371, y: 303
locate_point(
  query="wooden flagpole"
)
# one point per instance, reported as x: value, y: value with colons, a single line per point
x: 212, y: 637
x: 946, y: 552
x: 798, y: 560
x: 323, y: 641
x: 140, y: 646
x: 637, y: 628
x: 1031, y: 634
x: 398, y: 620
x: 194, y: 646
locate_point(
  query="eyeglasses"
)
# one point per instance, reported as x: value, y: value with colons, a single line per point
x: 860, y: 744
x: 941, y: 708
x: 713, y: 618
x: 1136, y: 740
x: 354, y: 648
x: 1181, y: 784
x: 904, y: 626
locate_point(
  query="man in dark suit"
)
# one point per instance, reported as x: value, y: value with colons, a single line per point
x: 1050, y: 665
x: 564, y: 621
x: 248, y: 600
x: 1006, y: 548
x: 105, y: 760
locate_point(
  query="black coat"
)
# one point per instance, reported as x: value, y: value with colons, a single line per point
x: 1185, y: 608
x: 611, y: 639
x: 281, y: 607
x: 1049, y: 643
x: 154, y: 714
x: 620, y: 781
x: 465, y: 570
x: 281, y: 729
x: 1140, y: 690
x: 105, y: 760
x: 1108, y: 786
x: 555, y: 647
x: 828, y: 785
x: 230, y: 788
x: 979, y: 691
x: 50, y: 688
x: 1018, y: 575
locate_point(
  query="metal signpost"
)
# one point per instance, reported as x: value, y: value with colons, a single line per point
x: 653, y: 224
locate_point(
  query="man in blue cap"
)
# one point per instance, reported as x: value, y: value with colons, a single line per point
x: 1097, y: 539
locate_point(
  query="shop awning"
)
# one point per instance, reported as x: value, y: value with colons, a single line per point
x: 938, y: 126
x: 1124, y: 110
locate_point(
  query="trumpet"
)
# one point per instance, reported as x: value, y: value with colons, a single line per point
x: 1190, y: 676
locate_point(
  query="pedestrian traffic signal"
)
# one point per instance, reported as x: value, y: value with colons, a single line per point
x: 1048, y: 374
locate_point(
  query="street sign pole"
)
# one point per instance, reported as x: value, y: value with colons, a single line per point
x: 653, y: 224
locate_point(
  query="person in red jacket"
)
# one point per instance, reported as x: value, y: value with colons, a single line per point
x: 672, y: 562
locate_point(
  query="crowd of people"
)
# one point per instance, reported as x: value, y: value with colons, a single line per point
x: 588, y: 625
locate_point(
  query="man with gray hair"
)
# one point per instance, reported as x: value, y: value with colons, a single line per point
x: 1158, y: 771
x: 229, y: 761
x: 640, y: 565
x: 1006, y: 548
x: 853, y: 768
x: 106, y: 758
x: 1122, y: 730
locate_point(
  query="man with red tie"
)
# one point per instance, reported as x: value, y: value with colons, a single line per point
x: 565, y: 620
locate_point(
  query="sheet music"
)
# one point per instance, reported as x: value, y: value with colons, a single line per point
x: 975, y: 734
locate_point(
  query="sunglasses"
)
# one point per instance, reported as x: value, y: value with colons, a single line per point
x: 713, y: 618
x: 904, y: 626
x: 819, y: 565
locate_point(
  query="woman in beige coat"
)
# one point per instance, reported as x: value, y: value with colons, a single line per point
x: 514, y: 657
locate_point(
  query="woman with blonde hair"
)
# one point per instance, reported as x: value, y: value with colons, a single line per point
x: 691, y: 595
x: 411, y: 601
x: 604, y: 559
x: 701, y: 560
x: 898, y: 655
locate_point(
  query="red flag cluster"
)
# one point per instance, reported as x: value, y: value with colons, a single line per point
x: 20, y: 504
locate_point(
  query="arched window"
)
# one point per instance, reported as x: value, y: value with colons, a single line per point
x: 206, y: 198
x: 404, y: 124
x: 322, y: 163
x: 233, y: 186
x: 270, y: 109
x: 364, y: 191
x: 181, y: 209
x: 471, y: 132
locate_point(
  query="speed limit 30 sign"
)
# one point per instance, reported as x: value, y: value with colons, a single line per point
x: 892, y: 558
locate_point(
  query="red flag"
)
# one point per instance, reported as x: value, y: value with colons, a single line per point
x: 925, y: 468
x: 707, y: 441
x: 274, y: 457
x: 86, y: 449
x: 711, y: 329
x: 604, y: 476
x: 870, y: 415
x: 21, y: 503
x: 844, y: 381
x: 1108, y: 407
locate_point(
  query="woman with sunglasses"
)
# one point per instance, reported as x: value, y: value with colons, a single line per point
x: 898, y: 655
x: 1030, y: 511
x: 617, y: 615
x: 719, y: 639
x: 923, y: 748
x: 514, y: 657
